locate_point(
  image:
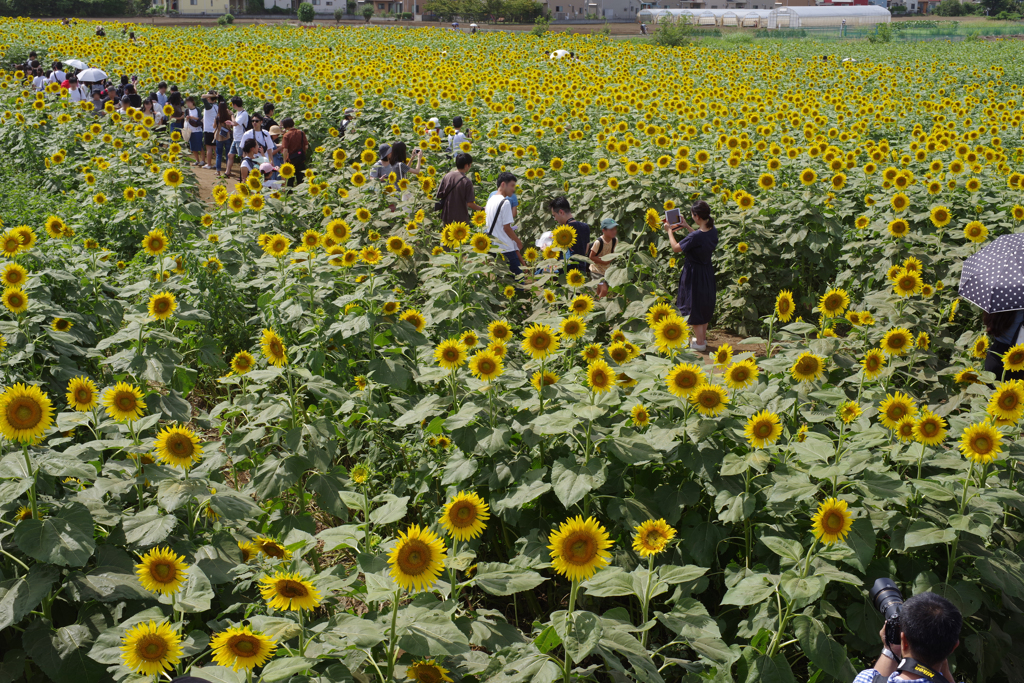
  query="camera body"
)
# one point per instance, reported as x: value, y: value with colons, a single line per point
x: 889, y: 601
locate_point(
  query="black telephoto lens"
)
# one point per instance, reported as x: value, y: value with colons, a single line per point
x: 887, y: 598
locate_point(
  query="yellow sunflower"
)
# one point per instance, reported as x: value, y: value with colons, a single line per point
x: 897, y: 341
x: 465, y: 516
x: 241, y: 648
x: 13, y: 275
x: 450, y: 354
x: 15, y: 300
x: 273, y: 348
x: 930, y: 429
x: 417, y: 559
x: 640, y: 415
x: 762, y: 429
x: 940, y: 216
x: 162, y: 306
x: 742, y: 374
x: 1007, y: 401
x: 709, y: 399
x: 671, y: 332
x: 976, y: 232
x: 499, y: 330
x: 808, y: 367
x: 427, y: 670
x: 173, y: 177
x: 684, y: 379
x: 242, y: 362
x: 784, y: 306
x: 161, y: 570
x: 981, y: 443
x: 873, y: 363
x: 600, y: 376
x: 652, y: 536
x: 579, y: 548
x: 834, y: 302
x: 81, y: 394
x: 907, y: 282
x: 486, y: 365
x: 178, y: 447
x: 832, y: 521
x: 151, y: 648
x: 25, y: 413
x: 124, y: 402
x: 155, y: 242
x: 540, y: 341
x: 572, y: 327
x: 289, y: 592
x: 414, y: 318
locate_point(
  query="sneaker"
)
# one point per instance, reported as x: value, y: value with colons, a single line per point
x: 206, y: 166
x: 698, y: 347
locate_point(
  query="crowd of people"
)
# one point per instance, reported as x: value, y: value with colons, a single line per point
x: 220, y: 132
x: 215, y: 129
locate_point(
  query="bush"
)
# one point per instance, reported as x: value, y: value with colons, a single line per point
x: 883, y: 34
x: 1007, y: 16
x: 898, y: 9
x: 405, y: 16
x: 306, y: 13
x: 540, y: 26
x: 367, y: 13
x: 225, y: 20
x: 339, y: 14
x: 950, y: 8
x: 350, y: 7
x: 674, y: 34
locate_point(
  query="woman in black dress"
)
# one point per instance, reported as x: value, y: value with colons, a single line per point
x: 695, y: 300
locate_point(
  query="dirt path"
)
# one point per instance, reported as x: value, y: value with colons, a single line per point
x: 207, y: 179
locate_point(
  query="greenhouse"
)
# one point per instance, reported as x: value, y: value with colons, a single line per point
x: 780, y: 17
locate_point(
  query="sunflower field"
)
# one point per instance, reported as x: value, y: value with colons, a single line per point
x: 312, y: 434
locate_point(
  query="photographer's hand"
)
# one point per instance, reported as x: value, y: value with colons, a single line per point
x: 884, y: 665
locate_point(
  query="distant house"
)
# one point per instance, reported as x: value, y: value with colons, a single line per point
x: 213, y: 8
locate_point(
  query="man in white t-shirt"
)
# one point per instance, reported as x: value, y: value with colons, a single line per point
x: 209, y: 126
x: 240, y: 121
x: 499, y: 223
x: 76, y: 91
x: 458, y: 137
x: 263, y: 140
x: 57, y: 75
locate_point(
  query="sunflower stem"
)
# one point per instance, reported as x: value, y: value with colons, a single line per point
x: 566, y: 671
x: 956, y: 536
x: 392, y: 650
x: 646, y: 604
x: 33, y: 503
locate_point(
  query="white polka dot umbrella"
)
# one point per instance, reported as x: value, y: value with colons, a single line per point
x: 993, y: 279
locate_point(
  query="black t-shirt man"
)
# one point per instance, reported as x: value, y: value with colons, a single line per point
x: 581, y: 247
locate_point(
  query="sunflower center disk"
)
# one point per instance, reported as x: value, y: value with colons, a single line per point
x: 152, y: 649
x: 25, y: 414
x: 244, y: 646
x: 291, y: 589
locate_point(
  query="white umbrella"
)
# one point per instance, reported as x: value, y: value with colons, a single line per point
x: 92, y: 75
x: 77, y: 63
x: 472, y: 25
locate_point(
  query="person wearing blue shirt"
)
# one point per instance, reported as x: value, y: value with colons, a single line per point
x: 930, y: 632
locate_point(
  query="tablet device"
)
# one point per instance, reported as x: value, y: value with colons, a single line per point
x: 672, y: 216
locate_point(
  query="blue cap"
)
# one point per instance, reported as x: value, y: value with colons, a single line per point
x: 608, y: 224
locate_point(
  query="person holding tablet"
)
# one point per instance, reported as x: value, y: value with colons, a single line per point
x: 695, y: 299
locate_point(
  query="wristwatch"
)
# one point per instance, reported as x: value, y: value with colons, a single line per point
x: 886, y: 652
